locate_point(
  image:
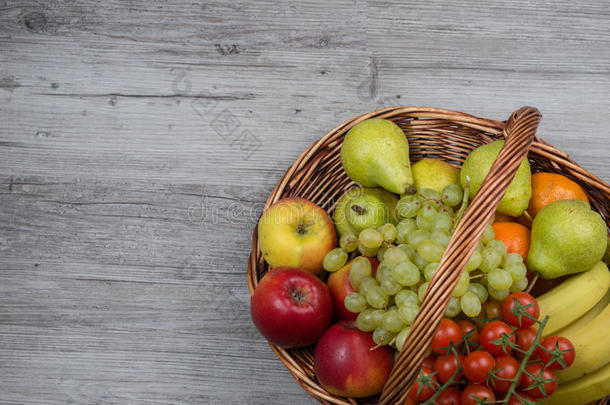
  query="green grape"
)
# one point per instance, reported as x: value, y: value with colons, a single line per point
x: 376, y: 297
x: 519, y: 285
x: 408, y: 206
x: 470, y: 304
x: 389, y: 285
x: 462, y: 285
x: 382, y: 337
x: 355, y: 302
x: 491, y: 259
x: 499, y: 279
x: 421, y: 291
x: 389, y: 232
x: 348, y: 242
x: 429, y: 194
x: 452, y: 195
x: 377, y: 316
x: 511, y: 258
x: 394, y: 256
x: 392, y: 322
x: 420, y: 262
x: 441, y: 237
x: 402, y: 337
x: 367, y: 283
x: 405, y: 296
x: 480, y: 247
x: 454, y: 308
x: 334, y: 260
x: 498, y: 295
x: 517, y: 271
x: 474, y: 262
x: 408, y: 312
x: 426, y: 217
x: 430, y: 250
x: 479, y: 290
x: 498, y: 246
x: 404, y: 228
x: 417, y: 236
x: 367, y: 251
x: 365, y: 321
x: 382, y: 271
x: 442, y: 222
x: 370, y: 238
x: 406, y: 273
x: 429, y: 270
x: 488, y: 234
x: 408, y: 250
x: 360, y: 267
x: 381, y: 252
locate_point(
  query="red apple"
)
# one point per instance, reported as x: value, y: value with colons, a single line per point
x: 291, y: 307
x: 294, y: 232
x: 345, y: 364
x: 339, y: 286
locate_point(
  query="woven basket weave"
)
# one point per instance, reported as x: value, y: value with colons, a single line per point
x: 319, y: 176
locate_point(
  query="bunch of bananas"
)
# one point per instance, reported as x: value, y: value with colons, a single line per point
x: 579, y: 309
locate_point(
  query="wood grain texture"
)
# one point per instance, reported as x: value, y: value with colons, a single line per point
x: 139, y: 141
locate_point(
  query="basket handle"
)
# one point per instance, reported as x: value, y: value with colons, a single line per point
x: 519, y: 133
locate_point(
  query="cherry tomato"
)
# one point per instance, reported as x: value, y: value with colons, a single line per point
x: 490, y: 311
x: 429, y: 362
x: 504, y: 373
x: 446, y: 365
x: 541, y: 375
x: 474, y: 393
x: 477, y: 366
x: 492, y: 331
x: 525, y: 340
x: 470, y: 332
x: 427, y: 390
x: 448, y: 332
x: 517, y: 317
x: 549, y: 352
x: 450, y: 396
x: 518, y: 399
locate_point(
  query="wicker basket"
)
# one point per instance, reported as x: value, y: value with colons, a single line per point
x: 318, y: 176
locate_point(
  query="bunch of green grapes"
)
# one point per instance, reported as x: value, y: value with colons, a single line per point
x: 409, y: 253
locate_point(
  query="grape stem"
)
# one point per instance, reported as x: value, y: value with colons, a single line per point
x: 462, y: 210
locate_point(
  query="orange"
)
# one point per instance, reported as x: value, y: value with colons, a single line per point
x: 503, y: 218
x: 549, y: 187
x: 515, y: 236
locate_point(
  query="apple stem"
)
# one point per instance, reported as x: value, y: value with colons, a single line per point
x: 301, y: 229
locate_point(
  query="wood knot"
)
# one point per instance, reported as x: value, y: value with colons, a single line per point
x: 35, y: 21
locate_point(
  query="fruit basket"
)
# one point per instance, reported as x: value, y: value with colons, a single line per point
x: 318, y: 176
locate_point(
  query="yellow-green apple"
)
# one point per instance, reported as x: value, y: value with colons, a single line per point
x: 348, y: 364
x: 295, y: 232
x: 291, y: 307
x: 340, y: 286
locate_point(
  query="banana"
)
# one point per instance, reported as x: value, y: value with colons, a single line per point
x: 573, y: 298
x: 584, y: 320
x: 591, y: 346
x: 584, y: 390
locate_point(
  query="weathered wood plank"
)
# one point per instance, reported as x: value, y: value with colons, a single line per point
x: 127, y: 199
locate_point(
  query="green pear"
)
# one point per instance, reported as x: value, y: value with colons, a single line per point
x: 567, y: 237
x: 375, y: 153
x: 435, y: 174
x: 476, y: 167
x: 362, y: 208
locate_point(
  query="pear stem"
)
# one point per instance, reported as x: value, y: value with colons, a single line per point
x: 358, y: 209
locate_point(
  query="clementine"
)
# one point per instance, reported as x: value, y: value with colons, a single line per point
x: 515, y: 236
x: 549, y: 187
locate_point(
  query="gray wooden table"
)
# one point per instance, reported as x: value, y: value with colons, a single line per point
x: 139, y: 140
